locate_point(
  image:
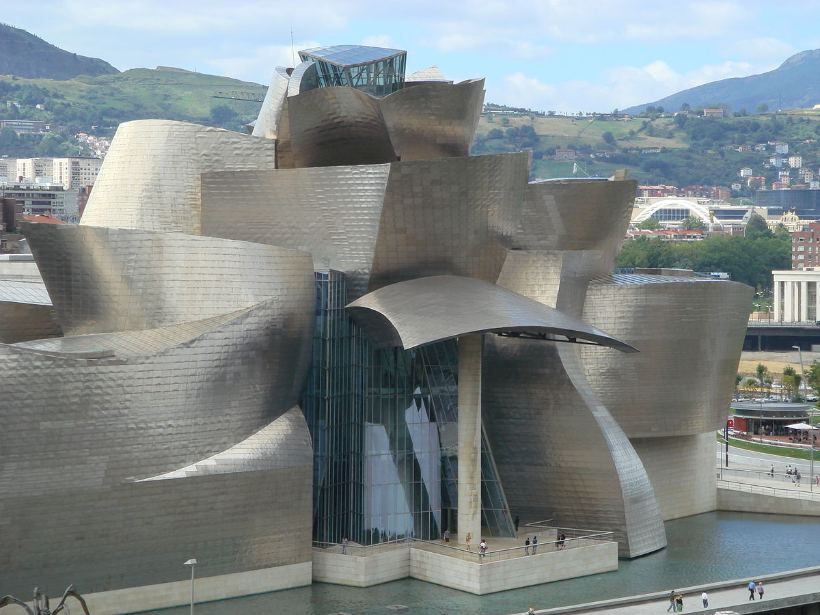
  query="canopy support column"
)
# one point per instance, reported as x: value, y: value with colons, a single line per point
x: 470, y: 350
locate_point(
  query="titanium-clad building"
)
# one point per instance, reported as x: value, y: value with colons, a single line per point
x: 342, y: 326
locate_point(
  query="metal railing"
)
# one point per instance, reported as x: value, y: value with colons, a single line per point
x: 548, y: 542
x: 352, y: 548
x: 766, y: 490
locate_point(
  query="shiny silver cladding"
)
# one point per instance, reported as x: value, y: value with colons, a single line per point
x: 427, y: 310
x: 26, y: 312
x: 378, y: 224
x: 557, y: 447
x: 690, y: 332
x: 150, y: 177
x: 86, y: 416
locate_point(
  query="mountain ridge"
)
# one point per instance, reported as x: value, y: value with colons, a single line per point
x: 793, y: 84
x: 24, y: 54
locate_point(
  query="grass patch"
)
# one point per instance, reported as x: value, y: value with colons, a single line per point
x: 772, y: 450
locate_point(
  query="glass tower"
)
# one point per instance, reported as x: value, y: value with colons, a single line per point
x: 384, y: 428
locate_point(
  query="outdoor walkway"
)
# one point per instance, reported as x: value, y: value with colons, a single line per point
x: 781, y: 591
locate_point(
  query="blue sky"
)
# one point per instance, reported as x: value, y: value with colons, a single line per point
x: 563, y: 55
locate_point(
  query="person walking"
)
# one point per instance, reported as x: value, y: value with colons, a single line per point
x: 534, y: 544
x: 760, y: 590
x: 515, y: 522
x: 771, y: 472
x: 527, y: 546
x: 344, y: 545
x: 468, y: 540
x: 705, y: 599
x: 530, y: 611
x: 679, y: 602
x: 562, y: 539
x: 751, y: 588
x: 671, y: 602
x: 482, y: 548
x: 446, y: 535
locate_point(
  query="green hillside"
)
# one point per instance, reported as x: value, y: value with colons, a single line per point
x: 99, y: 104
x: 26, y: 55
x: 658, y: 149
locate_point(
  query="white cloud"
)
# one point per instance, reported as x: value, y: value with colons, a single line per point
x: 620, y: 87
x: 379, y: 40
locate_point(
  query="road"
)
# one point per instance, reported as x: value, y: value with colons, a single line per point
x: 753, y: 467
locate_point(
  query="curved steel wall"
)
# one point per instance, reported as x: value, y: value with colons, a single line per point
x: 335, y: 126
x: 26, y: 312
x: 267, y: 122
x: 378, y: 224
x: 433, y: 120
x: 558, y: 449
x: 689, y: 332
x: 128, y: 405
x: 150, y: 177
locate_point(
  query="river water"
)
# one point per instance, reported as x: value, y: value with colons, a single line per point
x: 705, y: 548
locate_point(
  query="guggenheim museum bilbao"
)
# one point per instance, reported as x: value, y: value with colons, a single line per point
x: 343, y: 326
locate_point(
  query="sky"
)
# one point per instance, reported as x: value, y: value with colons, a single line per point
x: 561, y: 55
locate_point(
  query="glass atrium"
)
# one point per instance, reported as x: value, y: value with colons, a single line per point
x: 374, y: 70
x: 384, y: 428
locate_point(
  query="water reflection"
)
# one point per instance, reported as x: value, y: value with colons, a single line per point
x: 702, y: 549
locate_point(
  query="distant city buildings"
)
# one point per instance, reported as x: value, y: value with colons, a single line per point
x: 25, y: 126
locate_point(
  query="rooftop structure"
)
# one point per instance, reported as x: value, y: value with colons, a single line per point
x: 375, y: 70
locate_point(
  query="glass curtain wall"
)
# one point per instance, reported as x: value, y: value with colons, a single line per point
x: 384, y: 428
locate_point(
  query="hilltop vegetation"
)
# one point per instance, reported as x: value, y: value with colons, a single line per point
x: 658, y: 148
x: 99, y: 104
x: 26, y: 55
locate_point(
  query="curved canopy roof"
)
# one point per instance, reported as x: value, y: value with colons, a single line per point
x: 432, y: 309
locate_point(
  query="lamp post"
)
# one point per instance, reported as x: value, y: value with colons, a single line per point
x: 192, y: 563
x: 802, y: 373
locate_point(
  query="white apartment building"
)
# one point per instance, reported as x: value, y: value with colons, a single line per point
x: 8, y: 169
x: 746, y: 172
x: 795, y: 295
x: 795, y: 161
x: 35, y: 170
x: 39, y: 199
x: 72, y: 173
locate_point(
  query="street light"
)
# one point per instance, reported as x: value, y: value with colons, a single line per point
x: 192, y: 563
x: 802, y: 373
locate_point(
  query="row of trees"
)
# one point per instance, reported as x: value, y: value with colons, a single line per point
x: 790, y: 381
x: 748, y: 259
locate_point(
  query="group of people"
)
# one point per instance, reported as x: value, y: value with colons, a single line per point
x: 676, y: 598
x: 561, y: 543
x: 755, y: 587
x: 794, y: 473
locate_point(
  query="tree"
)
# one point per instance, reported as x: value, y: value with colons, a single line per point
x: 756, y: 228
x: 680, y: 120
x: 608, y: 138
x: 223, y: 115
x: 762, y: 372
x: 650, y: 224
x: 762, y: 108
x: 813, y: 377
x: 693, y: 223
x: 495, y: 133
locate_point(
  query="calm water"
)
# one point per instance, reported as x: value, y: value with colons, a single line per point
x: 702, y: 549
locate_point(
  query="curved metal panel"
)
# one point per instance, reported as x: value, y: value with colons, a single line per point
x: 575, y: 461
x: 150, y: 177
x: 336, y: 126
x: 433, y: 120
x: 433, y: 309
x: 127, y: 405
x: 576, y: 214
x: 690, y: 332
x: 682, y: 472
x: 304, y: 77
x: 453, y: 216
x: 26, y: 312
x: 267, y: 122
x: 103, y: 279
x: 284, y: 443
x: 382, y: 223
x: 331, y: 212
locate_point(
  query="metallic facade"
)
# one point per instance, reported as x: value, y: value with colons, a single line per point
x: 250, y: 339
x: 161, y: 424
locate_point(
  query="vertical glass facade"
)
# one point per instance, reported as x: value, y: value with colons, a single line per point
x: 358, y: 68
x: 384, y: 428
